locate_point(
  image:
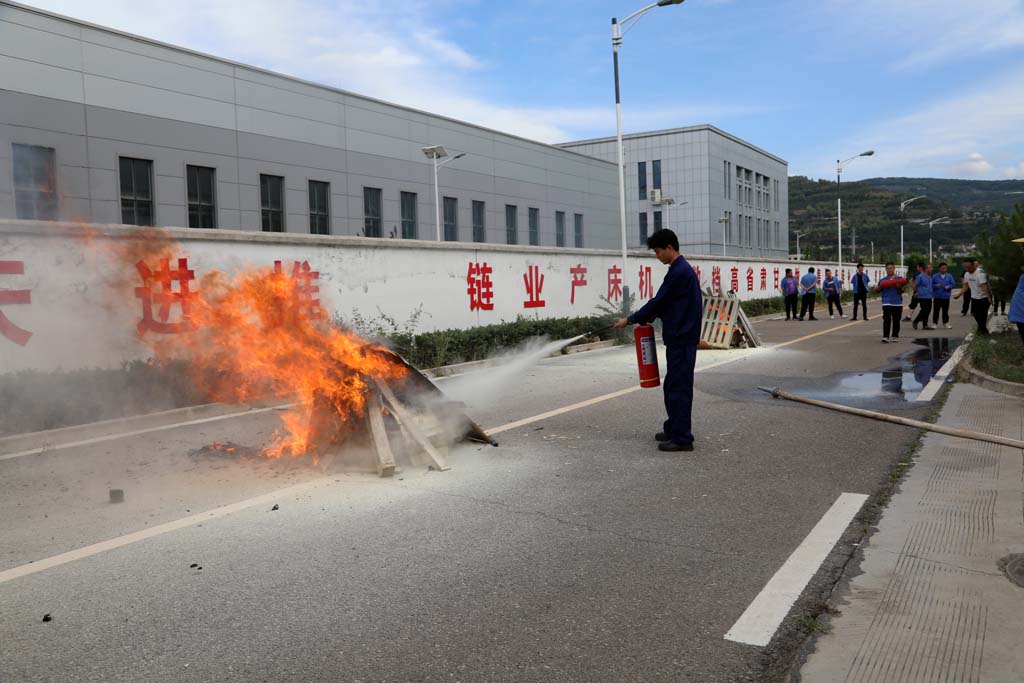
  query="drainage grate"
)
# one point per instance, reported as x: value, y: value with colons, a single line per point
x: 1013, y: 565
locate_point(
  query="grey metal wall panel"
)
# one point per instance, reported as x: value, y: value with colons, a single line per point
x: 263, y: 122
x: 21, y: 75
x: 42, y: 113
x: 134, y: 45
x: 110, y: 93
x: 100, y: 60
x: 160, y: 132
x: 47, y: 47
x: 261, y: 96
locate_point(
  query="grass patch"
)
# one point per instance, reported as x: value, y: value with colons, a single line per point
x: 1000, y: 355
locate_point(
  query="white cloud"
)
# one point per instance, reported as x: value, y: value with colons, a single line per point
x: 1016, y: 171
x: 974, y: 165
x: 929, y: 32
x: 973, y: 133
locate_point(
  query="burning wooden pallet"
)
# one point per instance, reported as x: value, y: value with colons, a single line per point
x: 422, y: 413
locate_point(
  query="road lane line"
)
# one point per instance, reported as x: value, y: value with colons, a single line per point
x: 137, y: 432
x: 159, y: 530
x: 762, y: 618
x: 932, y: 388
x: 816, y: 334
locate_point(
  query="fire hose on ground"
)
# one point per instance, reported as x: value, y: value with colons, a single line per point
x: 906, y: 422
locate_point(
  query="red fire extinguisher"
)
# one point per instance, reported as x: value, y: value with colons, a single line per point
x: 646, y: 356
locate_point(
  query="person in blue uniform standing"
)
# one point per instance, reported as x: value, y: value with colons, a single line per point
x: 1016, y: 314
x: 809, y: 287
x: 942, y: 289
x: 833, y: 288
x: 680, y: 307
x: 891, y: 289
x: 789, y: 288
x: 860, y: 286
x: 923, y: 294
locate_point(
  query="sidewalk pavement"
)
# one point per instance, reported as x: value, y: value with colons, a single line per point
x: 932, y: 602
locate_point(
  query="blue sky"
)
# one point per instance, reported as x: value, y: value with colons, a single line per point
x: 936, y: 87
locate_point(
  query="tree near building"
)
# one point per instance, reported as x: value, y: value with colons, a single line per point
x: 999, y: 256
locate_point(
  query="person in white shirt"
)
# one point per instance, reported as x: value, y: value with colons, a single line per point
x: 976, y: 287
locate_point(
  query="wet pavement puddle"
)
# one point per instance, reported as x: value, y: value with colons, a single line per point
x: 902, y: 380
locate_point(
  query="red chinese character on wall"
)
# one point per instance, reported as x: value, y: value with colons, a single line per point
x: 696, y: 269
x: 775, y: 273
x: 764, y: 278
x: 646, y: 286
x: 734, y: 279
x: 750, y: 278
x: 534, y: 282
x: 842, y: 278
x: 480, y: 289
x: 716, y: 279
x: 579, y: 279
x: 158, y: 288
x: 614, y: 283
x: 307, y: 305
x: 13, y: 296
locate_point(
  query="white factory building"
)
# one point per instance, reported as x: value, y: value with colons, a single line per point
x: 104, y: 126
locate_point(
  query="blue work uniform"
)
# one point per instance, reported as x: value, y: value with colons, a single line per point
x: 810, y: 283
x: 942, y: 285
x: 891, y: 296
x: 923, y: 286
x: 680, y: 307
x: 860, y: 283
x: 1017, y: 307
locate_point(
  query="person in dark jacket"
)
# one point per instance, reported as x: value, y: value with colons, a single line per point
x: 860, y: 285
x: 790, y: 289
x: 680, y: 307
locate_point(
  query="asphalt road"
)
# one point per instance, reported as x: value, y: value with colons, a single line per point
x: 576, y: 551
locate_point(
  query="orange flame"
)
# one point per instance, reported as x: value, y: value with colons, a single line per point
x: 253, y: 338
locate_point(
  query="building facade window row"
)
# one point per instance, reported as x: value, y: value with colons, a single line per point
x: 641, y: 177
x: 36, y: 198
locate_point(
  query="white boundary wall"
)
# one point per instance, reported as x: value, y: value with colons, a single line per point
x: 78, y: 303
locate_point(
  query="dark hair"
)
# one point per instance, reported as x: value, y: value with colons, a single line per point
x: 921, y: 265
x: 970, y: 259
x: 811, y: 269
x: 890, y: 263
x: 943, y: 264
x: 828, y: 270
x: 662, y: 239
x: 788, y: 271
x: 860, y: 265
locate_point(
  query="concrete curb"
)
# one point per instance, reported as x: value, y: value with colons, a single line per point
x: 982, y: 379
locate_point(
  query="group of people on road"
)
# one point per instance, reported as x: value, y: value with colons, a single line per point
x: 805, y: 290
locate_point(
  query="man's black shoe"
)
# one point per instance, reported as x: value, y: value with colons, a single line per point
x: 673, y: 447
x: 662, y: 437
x: 812, y: 318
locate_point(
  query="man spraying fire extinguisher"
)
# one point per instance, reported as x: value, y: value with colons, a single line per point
x: 679, y: 305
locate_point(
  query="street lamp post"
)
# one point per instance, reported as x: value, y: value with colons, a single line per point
x: 436, y: 153
x: 839, y: 208
x: 903, y: 206
x: 619, y: 29
x: 930, y: 224
x: 799, y: 256
x: 872, y: 251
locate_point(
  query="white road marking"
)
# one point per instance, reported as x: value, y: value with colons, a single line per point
x: 932, y: 388
x: 758, y: 623
x: 137, y: 432
x: 159, y: 530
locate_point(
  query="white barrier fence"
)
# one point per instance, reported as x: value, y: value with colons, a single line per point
x: 70, y: 303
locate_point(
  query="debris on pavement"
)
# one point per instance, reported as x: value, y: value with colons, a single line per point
x: 116, y: 495
x: 47, y: 617
x: 276, y: 506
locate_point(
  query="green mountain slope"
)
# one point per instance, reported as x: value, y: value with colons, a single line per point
x: 871, y: 209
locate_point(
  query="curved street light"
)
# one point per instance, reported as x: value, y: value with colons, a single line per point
x: 436, y: 153
x: 619, y: 29
x: 839, y: 208
x: 944, y: 219
x: 903, y: 205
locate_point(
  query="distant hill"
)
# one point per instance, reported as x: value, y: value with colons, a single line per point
x: 872, y: 208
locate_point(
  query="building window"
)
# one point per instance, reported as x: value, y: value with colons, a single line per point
x: 272, y: 203
x: 750, y: 230
x: 739, y: 193
x: 560, y: 228
x: 371, y: 211
x: 643, y: 228
x: 727, y: 181
x: 533, y: 221
x: 451, y: 219
x: 641, y: 178
x: 657, y: 221
x: 577, y: 221
x: 511, y: 224
x: 319, y: 208
x: 136, y: 191
x: 35, y: 183
x: 776, y: 195
x: 728, y: 227
x: 479, y: 222
x: 778, y: 235
x: 656, y: 174
x: 409, y: 229
x: 202, y: 197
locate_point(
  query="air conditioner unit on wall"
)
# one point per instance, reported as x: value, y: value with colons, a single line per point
x: 655, y: 196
